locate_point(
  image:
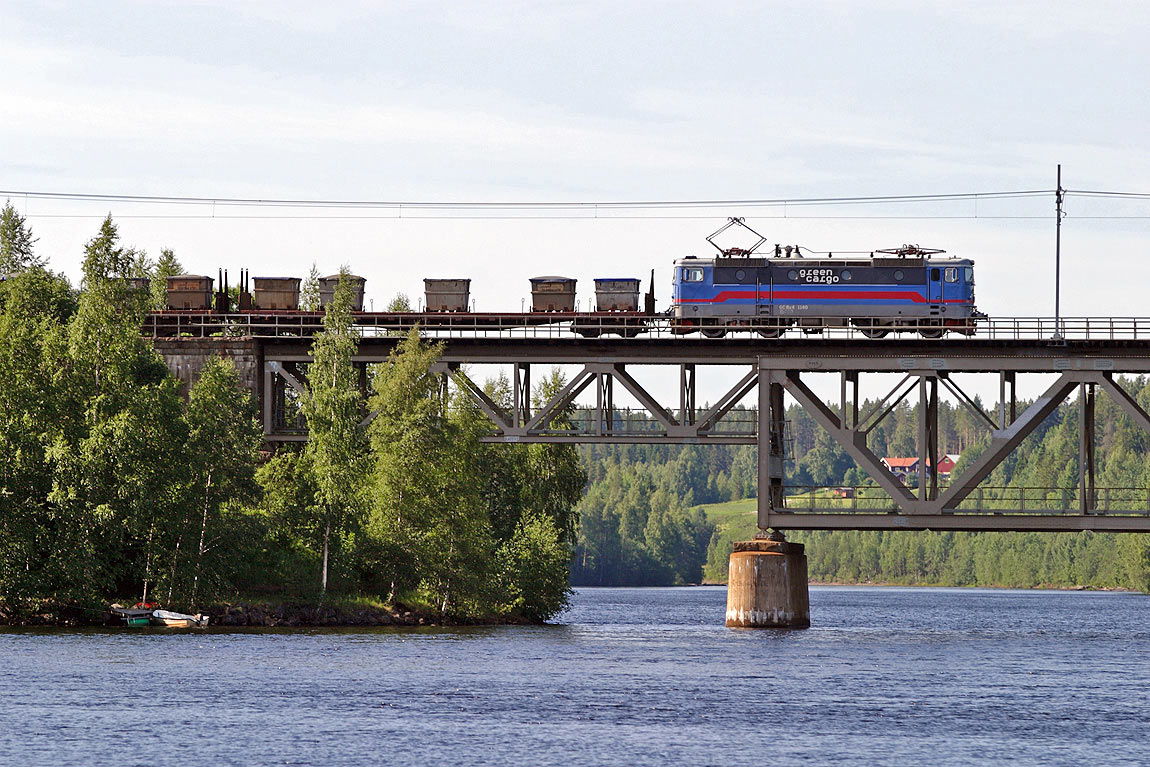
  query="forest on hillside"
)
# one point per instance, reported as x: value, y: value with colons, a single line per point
x: 642, y: 521
x: 117, y: 484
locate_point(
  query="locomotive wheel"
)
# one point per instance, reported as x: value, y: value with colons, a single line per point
x: 714, y: 332
x: 931, y: 332
x: 875, y: 332
x: 770, y: 332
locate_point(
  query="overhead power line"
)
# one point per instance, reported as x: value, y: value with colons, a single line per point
x: 239, y: 208
x: 539, y: 217
x: 522, y: 205
x: 1122, y: 195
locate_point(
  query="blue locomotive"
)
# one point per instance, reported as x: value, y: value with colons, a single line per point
x: 907, y: 289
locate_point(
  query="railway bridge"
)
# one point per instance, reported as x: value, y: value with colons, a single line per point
x: 1071, y: 357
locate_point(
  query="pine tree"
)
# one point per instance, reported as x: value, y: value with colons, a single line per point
x: 167, y: 266
x: 16, y: 241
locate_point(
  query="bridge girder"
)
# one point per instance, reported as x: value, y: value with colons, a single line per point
x: 783, y: 366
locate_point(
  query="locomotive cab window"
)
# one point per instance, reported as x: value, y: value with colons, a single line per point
x: 950, y: 274
x: 692, y: 275
x: 934, y: 275
x: 968, y: 274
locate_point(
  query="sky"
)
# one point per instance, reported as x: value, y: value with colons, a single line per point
x: 585, y: 102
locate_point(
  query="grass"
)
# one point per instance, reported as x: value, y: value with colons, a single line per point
x: 734, y: 521
x: 738, y: 521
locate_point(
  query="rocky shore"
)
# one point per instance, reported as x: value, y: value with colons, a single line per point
x: 258, y: 615
x: 270, y: 616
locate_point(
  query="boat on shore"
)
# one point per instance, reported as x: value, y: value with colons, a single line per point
x: 177, y: 620
x: 134, y: 616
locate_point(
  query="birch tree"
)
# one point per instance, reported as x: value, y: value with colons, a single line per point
x: 334, y: 408
x: 223, y: 444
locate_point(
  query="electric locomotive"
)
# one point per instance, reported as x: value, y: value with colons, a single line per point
x: 907, y: 289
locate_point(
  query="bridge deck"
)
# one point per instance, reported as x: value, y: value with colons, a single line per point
x: 809, y: 354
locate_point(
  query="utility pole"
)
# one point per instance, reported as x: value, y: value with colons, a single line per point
x: 1058, y: 256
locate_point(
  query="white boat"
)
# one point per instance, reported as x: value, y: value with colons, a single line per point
x: 178, y: 620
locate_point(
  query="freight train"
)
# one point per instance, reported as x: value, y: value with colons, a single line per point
x: 906, y: 289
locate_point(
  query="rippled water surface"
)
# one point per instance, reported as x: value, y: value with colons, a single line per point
x: 631, y: 677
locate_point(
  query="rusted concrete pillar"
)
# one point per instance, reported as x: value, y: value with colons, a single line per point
x: 767, y: 586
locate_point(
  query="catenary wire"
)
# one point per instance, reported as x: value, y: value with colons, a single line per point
x: 524, y: 205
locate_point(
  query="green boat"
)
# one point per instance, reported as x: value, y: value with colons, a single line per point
x: 134, y: 616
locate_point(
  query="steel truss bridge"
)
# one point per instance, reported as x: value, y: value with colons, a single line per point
x: 1074, y: 357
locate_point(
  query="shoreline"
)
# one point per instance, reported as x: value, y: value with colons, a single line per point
x: 893, y: 584
x: 267, y: 615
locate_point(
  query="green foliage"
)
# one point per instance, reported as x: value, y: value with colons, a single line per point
x: 167, y: 266
x: 115, y: 487
x: 409, y: 442
x: 533, y: 568
x: 95, y: 430
x: 333, y: 407
x: 428, y: 532
x: 16, y: 243
x: 637, y: 528
x: 617, y: 544
x: 222, y: 449
x: 288, y: 505
x: 37, y: 292
x: 32, y: 418
x: 309, y: 291
x: 400, y: 303
x: 557, y: 479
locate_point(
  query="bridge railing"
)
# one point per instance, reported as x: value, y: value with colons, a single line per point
x: 573, y: 325
x: 983, y: 500
x: 637, y: 421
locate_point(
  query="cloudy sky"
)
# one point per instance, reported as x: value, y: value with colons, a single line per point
x: 584, y: 102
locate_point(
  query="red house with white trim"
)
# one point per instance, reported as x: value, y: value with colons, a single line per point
x: 901, y: 467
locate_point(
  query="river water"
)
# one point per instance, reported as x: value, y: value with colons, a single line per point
x: 630, y: 677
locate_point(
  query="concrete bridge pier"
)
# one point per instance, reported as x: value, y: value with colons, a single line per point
x: 767, y: 577
x: 767, y: 585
